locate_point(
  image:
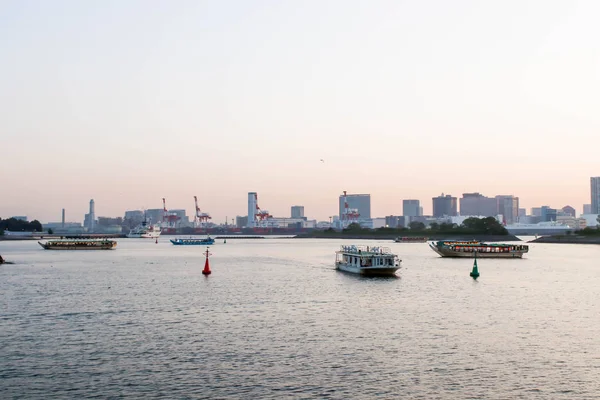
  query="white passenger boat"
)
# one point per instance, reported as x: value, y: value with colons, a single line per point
x: 367, y: 260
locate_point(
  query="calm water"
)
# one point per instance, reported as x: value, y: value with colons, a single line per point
x: 275, y: 320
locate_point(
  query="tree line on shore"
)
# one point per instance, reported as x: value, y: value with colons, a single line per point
x: 18, y: 225
x: 479, y: 226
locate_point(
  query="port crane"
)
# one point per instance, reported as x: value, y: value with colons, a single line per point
x: 169, y: 219
x: 350, y: 215
x: 261, y: 216
x: 200, y: 218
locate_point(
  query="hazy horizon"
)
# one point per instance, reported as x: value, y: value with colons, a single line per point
x: 130, y: 102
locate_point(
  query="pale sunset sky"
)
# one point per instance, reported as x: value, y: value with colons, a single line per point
x: 129, y: 101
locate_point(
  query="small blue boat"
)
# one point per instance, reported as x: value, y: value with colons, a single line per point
x: 193, y: 242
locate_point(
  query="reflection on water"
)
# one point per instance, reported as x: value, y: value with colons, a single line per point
x: 275, y: 319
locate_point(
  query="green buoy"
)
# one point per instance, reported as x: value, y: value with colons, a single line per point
x: 475, y: 272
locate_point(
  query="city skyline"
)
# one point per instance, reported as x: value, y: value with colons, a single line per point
x: 64, y: 213
x: 141, y: 100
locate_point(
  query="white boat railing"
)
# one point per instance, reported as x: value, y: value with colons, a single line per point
x: 365, y: 249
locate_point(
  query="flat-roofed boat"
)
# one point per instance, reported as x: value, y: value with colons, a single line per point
x: 367, y: 260
x: 79, y: 244
x: 410, y: 239
x: 193, y: 242
x: 448, y: 248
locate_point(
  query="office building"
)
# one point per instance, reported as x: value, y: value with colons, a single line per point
x: 587, y: 208
x: 411, y: 208
x: 522, y: 212
x: 548, y: 214
x: 297, y: 212
x: 476, y: 204
x: 568, y: 211
x: 155, y: 215
x: 536, y: 211
x: 241, y: 222
x: 359, y: 202
x: 508, y: 207
x: 444, y: 206
x: 595, y: 194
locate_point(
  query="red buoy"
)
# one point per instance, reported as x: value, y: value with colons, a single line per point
x: 206, y: 270
x: 156, y: 241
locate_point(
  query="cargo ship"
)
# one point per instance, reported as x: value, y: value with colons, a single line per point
x: 144, y: 230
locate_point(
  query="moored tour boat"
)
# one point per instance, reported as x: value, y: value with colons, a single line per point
x: 410, y: 239
x: 367, y: 260
x: 79, y: 244
x: 448, y: 248
x: 193, y: 242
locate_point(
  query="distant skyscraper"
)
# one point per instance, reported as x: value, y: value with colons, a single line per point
x: 252, y: 209
x: 444, y: 206
x: 508, y: 207
x: 297, y: 212
x: 478, y: 204
x: 587, y: 208
x: 411, y: 208
x: 595, y: 194
x: 92, y: 216
x: 63, y: 218
x: 361, y: 202
x: 522, y: 212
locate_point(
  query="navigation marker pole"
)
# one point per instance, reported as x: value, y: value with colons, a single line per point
x: 475, y: 272
x: 206, y: 270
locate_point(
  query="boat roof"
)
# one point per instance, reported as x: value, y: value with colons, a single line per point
x: 365, y: 250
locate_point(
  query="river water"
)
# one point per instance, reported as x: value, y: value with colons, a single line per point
x: 275, y: 320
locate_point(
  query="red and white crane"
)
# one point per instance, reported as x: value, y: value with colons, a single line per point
x: 350, y: 215
x: 168, y: 219
x: 261, y: 216
x: 200, y: 218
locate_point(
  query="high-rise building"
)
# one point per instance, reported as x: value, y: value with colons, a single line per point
x: 92, y: 216
x: 360, y: 202
x: 252, y: 208
x: 63, y: 218
x: 587, y: 208
x: 411, y: 208
x: 444, y: 206
x: 297, y: 212
x: 595, y: 194
x: 522, y: 212
x: 508, y: 207
x: 478, y: 204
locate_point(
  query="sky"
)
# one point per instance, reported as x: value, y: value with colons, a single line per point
x: 127, y: 102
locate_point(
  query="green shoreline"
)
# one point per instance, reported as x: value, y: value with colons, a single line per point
x: 387, y: 236
x: 568, y: 239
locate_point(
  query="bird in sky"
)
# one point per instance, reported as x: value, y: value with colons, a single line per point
x: 322, y: 160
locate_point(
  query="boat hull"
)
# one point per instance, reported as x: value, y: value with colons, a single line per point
x: 192, y: 242
x: 55, y: 247
x: 149, y: 235
x: 445, y: 252
x: 368, y: 271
